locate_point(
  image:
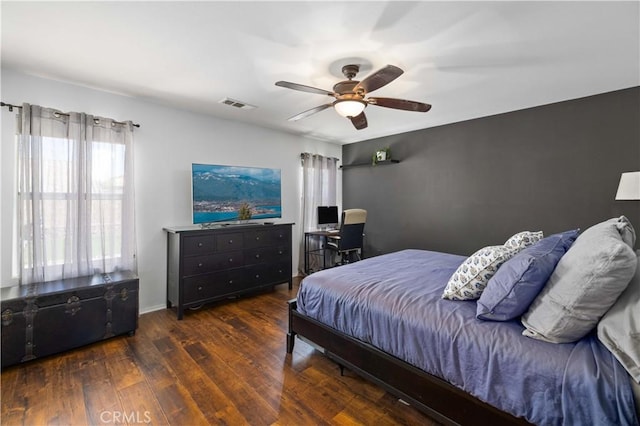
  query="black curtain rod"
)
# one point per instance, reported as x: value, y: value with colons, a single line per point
x: 11, y: 107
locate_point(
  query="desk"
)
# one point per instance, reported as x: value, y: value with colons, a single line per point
x: 319, y: 251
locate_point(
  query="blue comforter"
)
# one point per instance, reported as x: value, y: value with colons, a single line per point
x: 394, y: 302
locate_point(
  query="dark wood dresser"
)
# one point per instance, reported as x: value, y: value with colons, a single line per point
x: 50, y: 317
x: 205, y: 265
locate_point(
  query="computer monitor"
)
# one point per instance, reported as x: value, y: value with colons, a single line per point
x: 327, y: 215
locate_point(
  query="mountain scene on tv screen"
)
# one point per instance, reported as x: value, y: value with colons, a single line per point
x: 219, y: 192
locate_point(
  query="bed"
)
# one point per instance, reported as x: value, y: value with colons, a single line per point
x: 385, y: 319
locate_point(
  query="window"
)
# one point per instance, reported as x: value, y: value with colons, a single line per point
x: 75, y: 196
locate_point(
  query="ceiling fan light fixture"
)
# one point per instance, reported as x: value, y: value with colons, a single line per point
x: 349, y: 108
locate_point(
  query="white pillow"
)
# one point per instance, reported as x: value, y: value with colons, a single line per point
x: 471, y: 278
x: 619, y: 328
x: 587, y: 281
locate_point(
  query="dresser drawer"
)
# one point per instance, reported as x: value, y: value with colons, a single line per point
x: 231, y: 241
x: 267, y: 255
x: 198, y: 244
x: 281, y: 235
x: 213, y: 262
x: 264, y: 274
x: 214, y: 285
x: 268, y: 237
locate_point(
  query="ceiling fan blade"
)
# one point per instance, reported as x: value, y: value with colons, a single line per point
x: 303, y: 88
x: 359, y: 121
x: 380, y: 78
x: 399, y: 104
x: 309, y: 112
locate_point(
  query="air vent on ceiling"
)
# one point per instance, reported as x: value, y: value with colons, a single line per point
x: 236, y: 103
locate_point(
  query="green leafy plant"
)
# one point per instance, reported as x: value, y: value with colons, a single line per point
x: 244, y: 213
x: 383, y: 154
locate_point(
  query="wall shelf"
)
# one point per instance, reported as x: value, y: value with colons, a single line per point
x: 380, y: 163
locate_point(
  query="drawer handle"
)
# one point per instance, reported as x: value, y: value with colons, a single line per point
x: 257, y: 275
x: 199, y: 265
x: 230, y: 260
x: 257, y: 256
x: 258, y: 238
x: 200, y: 288
x: 280, y: 251
x: 230, y: 281
x: 230, y: 241
x: 199, y: 244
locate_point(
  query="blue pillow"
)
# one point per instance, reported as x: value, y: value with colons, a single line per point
x: 519, y: 280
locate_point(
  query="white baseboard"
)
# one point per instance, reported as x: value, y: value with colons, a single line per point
x: 152, y: 309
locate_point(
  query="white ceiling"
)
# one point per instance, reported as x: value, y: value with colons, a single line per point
x: 467, y: 59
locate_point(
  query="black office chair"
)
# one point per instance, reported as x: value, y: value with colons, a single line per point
x: 349, y: 241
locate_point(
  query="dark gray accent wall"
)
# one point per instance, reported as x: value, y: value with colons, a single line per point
x: 462, y: 186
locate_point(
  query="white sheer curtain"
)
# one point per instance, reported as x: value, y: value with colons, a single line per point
x: 319, y: 176
x: 75, y: 204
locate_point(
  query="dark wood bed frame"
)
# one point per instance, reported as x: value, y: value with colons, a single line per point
x: 438, y: 399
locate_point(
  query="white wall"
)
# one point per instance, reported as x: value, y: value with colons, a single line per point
x: 166, y: 144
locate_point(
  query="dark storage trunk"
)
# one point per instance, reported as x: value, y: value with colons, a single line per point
x: 46, y: 318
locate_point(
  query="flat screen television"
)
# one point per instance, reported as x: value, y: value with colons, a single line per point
x: 327, y: 215
x: 221, y: 193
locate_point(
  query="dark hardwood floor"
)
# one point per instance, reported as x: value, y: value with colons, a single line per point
x: 223, y: 364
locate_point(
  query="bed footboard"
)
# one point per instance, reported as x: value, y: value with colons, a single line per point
x: 436, y: 398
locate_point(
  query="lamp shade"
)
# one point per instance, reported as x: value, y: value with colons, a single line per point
x: 349, y: 108
x: 629, y: 186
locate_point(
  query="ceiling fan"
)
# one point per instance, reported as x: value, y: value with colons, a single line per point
x: 351, y: 95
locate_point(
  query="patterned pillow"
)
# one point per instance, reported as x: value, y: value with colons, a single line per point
x: 470, y: 279
x: 523, y: 239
